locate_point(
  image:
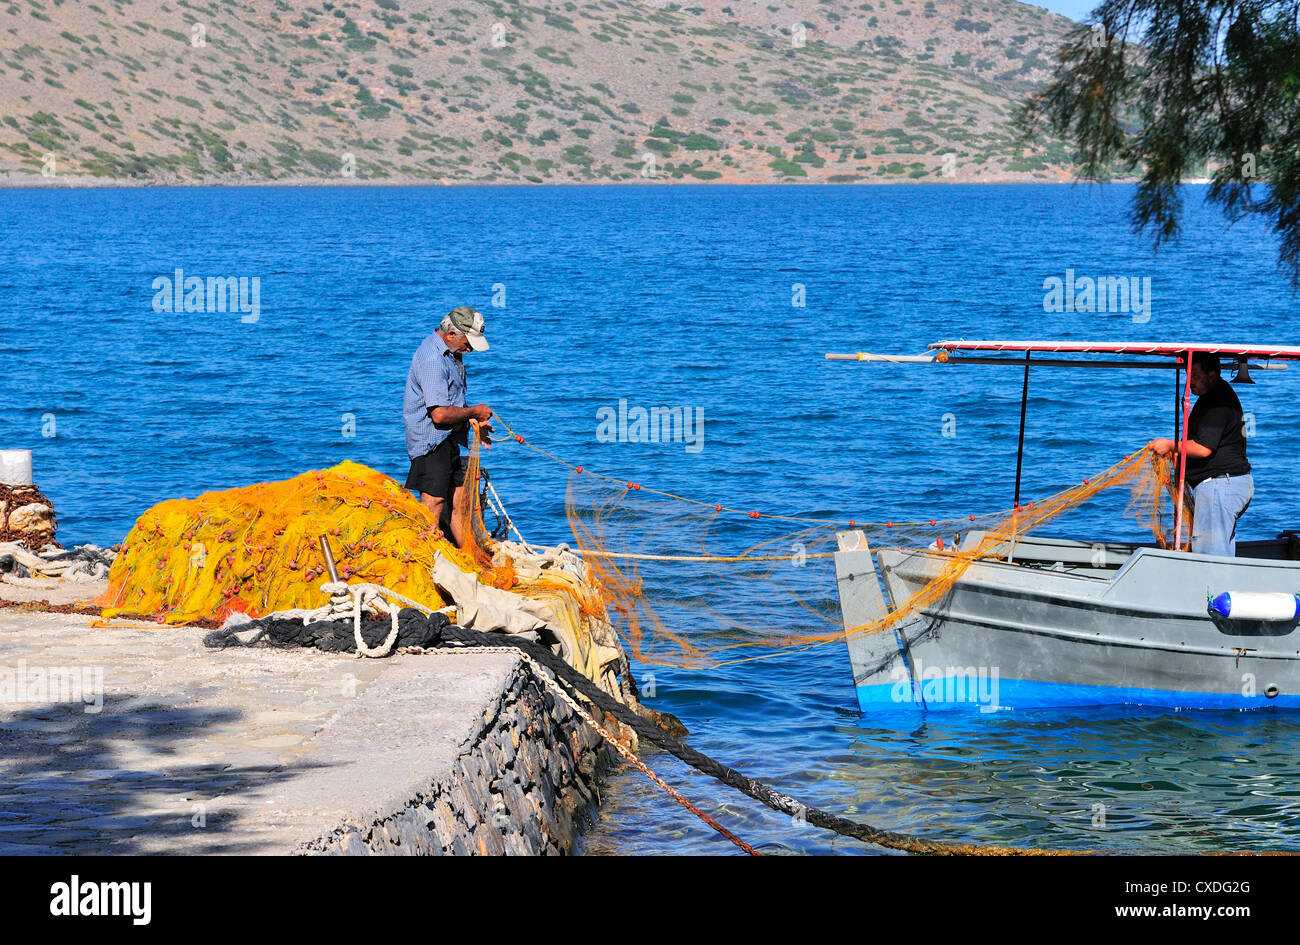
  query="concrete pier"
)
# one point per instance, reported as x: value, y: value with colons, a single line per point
x: 260, y: 751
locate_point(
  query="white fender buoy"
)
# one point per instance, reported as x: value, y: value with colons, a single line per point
x: 1256, y: 605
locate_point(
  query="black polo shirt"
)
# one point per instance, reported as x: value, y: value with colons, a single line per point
x: 1216, y: 423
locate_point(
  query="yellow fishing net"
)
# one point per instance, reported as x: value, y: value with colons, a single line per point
x: 254, y: 550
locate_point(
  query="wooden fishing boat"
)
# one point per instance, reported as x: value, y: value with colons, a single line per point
x: 1042, y: 621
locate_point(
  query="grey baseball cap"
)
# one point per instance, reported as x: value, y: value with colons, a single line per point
x: 469, y: 322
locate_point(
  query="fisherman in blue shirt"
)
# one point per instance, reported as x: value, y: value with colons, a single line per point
x: 1218, y: 472
x: 437, y: 419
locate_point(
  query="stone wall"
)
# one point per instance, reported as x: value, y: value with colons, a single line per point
x: 524, y: 784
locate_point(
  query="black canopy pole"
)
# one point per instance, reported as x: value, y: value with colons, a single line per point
x: 1020, y: 447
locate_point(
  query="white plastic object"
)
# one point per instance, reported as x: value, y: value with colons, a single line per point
x: 16, y: 467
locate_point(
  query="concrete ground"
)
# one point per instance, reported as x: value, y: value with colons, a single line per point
x: 197, y: 750
x: 50, y: 591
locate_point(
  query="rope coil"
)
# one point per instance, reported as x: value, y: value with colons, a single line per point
x: 351, y: 599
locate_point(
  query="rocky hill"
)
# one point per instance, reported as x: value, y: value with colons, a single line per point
x: 478, y: 90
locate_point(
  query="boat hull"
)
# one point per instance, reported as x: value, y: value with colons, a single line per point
x: 1028, y: 634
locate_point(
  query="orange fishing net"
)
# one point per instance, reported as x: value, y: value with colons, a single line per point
x: 254, y: 550
x: 789, y: 603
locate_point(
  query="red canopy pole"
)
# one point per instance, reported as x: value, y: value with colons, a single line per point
x: 1182, y: 454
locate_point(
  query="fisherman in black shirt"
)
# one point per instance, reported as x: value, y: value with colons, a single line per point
x: 1217, y: 470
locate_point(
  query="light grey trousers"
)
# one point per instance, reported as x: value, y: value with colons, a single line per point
x: 1217, y: 504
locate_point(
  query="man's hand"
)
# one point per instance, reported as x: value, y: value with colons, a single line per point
x: 451, y: 416
x: 1162, y: 446
x: 480, y: 414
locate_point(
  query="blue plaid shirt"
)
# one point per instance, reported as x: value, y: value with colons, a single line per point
x: 436, y: 379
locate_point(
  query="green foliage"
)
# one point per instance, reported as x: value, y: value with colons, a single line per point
x: 700, y: 142
x: 755, y: 108
x: 323, y: 160
x: 551, y: 54
x: 808, y: 155
x: 577, y: 154
x: 1216, y: 84
x: 664, y: 130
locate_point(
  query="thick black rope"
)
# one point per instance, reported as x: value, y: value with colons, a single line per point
x: 416, y: 629
x: 715, y: 769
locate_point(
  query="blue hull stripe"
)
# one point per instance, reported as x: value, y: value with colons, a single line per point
x: 987, y: 695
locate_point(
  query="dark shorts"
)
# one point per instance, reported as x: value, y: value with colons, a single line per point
x: 438, y: 471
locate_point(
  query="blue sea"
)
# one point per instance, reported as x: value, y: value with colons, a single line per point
x: 722, y: 301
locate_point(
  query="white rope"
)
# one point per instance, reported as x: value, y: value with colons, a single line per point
x: 500, y: 508
x: 373, y: 596
x: 632, y: 556
x: 378, y: 602
x: 348, y: 600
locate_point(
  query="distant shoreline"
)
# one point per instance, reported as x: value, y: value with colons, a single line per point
x: 37, y: 182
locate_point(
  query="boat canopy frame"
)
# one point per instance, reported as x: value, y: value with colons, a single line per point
x: 1170, y: 355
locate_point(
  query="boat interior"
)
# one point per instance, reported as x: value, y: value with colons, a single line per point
x: 1101, y: 557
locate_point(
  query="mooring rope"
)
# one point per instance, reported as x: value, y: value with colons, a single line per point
x: 432, y: 632
x: 748, y: 786
x: 617, y: 744
x: 428, y: 630
x: 420, y: 632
